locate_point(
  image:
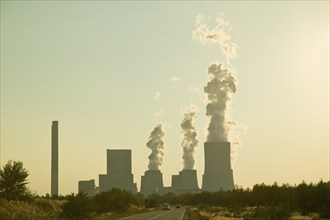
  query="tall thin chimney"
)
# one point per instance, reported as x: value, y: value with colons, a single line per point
x: 54, y: 165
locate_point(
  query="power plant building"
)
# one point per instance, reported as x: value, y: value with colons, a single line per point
x: 119, y: 172
x: 152, y: 182
x: 218, y: 173
x: 87, y: 186
x: 54, y: 159
x: 185, y: 182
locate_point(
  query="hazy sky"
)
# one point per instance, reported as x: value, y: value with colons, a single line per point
x: 108, y: 71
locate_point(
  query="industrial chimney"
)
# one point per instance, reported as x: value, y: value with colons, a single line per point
x: 54, y: 160
x: 218, y: 173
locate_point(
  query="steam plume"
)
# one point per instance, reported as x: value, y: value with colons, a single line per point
x: 156, y: 145
x: 222, y: 83
x: 217, y: 35
x: 219, y: 89
x: 189, y: 142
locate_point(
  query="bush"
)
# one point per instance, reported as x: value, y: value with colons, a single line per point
x: 269, y: 212
x: 77, y: 207
x: 116, y: 200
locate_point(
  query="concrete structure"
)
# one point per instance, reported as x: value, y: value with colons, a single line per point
x: 218, y: 173
x: 87, y: 186
x: 119, y: 161
x: 185, y: 182
x: 152, y: 182
x: 54, y: 160
x: 119, y: 172
x: 175, y: 184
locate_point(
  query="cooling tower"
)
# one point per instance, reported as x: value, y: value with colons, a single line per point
x: 188, y: 180
x: 54, y: 160
x: 218, y: 173
x: 152, y: 182
x: 119, y: 172
x: 185, y: 182
x: 175, y: 182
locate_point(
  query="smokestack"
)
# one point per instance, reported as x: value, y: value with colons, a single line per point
x: 218, y: 173
x: 54, y: 160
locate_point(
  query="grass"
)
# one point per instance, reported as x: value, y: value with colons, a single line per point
x: 222, y: 213
x: 191, y: 214
x: 132, y: 210
x: 35, y: 209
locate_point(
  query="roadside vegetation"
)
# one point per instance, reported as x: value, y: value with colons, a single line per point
x: 303, y: 201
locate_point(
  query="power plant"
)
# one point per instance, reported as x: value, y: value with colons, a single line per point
x: 119, y: 172
x: 218, y: 173
x: 185, y: 182
x: 88, y: 187
x: 54, y: 160
x: 152, y: 182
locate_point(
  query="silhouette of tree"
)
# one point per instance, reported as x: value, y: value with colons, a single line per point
x: 77, y: 206
x: 13, y: 181
x: 116, y: 200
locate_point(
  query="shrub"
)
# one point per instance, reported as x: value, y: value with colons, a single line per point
x: 269, y: 212
x: 77, y: 206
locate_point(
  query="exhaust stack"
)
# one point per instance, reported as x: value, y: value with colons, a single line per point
x: 54, y: 160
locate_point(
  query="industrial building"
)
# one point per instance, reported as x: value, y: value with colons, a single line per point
x: 152, y: 182
x: 185, y: 182
x: 54, y: 159
x: 119, y: 172
x: 218, y: 173
x: 88, y: 187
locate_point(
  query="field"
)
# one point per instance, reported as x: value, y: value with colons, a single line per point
x: 220, y: 213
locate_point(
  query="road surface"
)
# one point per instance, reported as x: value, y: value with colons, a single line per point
x: 172, y: 214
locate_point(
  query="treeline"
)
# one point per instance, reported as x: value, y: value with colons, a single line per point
x: 82, y: 206
x: 17, y: 201
x: 269, y: 200
x: 310, y: 197
x: 303, y: 197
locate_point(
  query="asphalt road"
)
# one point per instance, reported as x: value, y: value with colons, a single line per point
x: 172, y: 214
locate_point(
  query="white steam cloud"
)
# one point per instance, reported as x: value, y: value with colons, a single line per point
x: 156, y: 145
x: 190, y: 141
x: 157, y: 96
x: 219, y: 89
x: 174, y: 78
x: 218, y: 35
x: 222, y: 82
